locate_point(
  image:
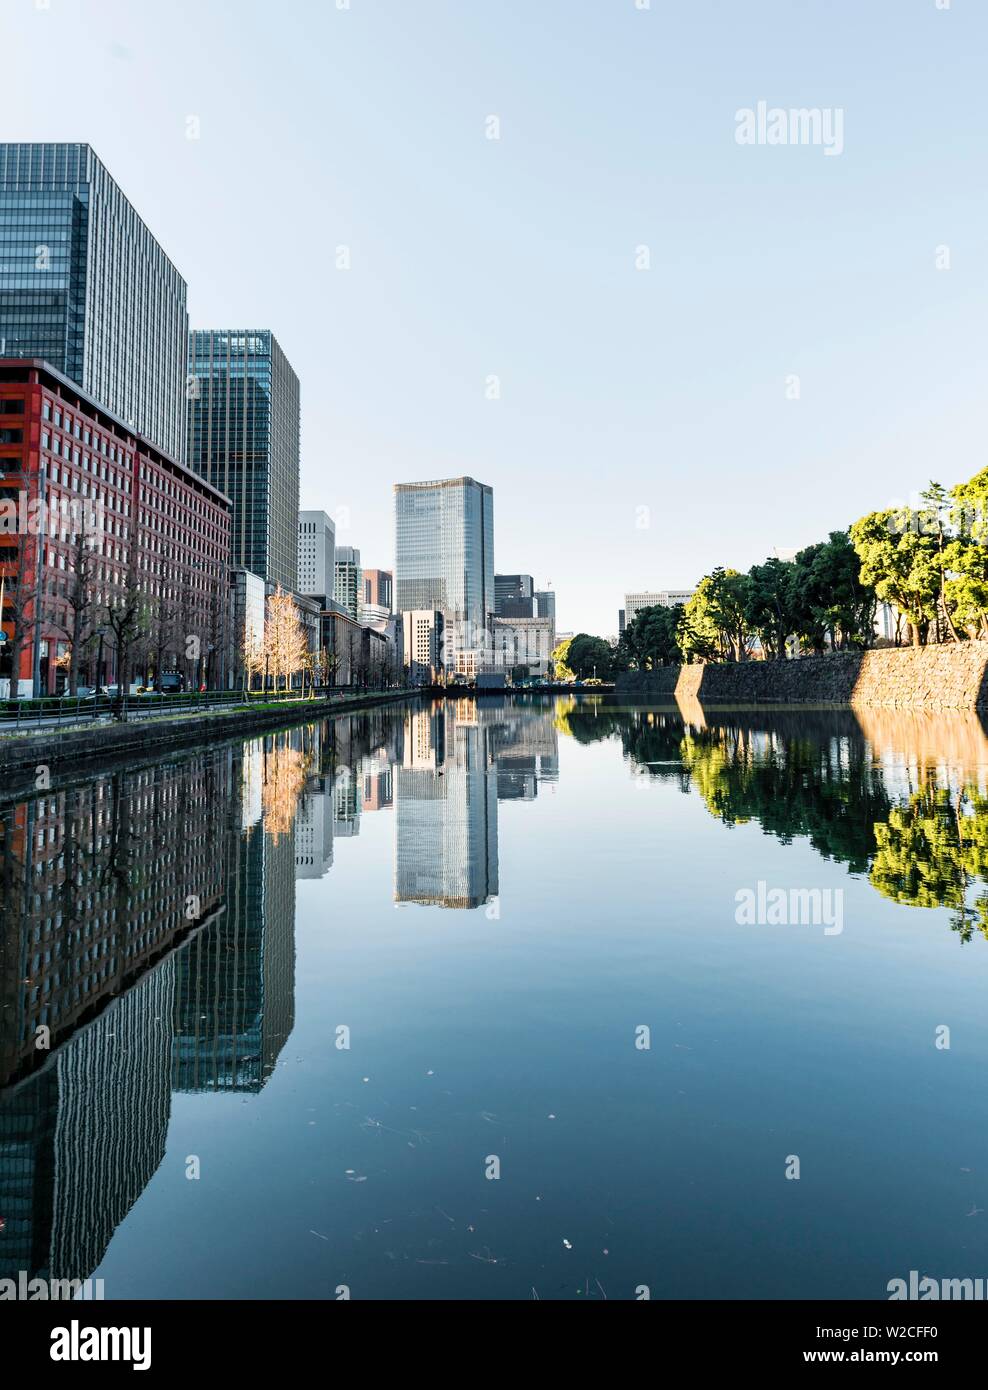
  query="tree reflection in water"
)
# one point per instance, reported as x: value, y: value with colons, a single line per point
x: 898, y: 796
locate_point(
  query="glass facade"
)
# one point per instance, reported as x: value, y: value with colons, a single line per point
x: 514, y: 596
x: 84, y: 285
x: 444, y: 558
x: 348, y: 581
x: 243, y: 431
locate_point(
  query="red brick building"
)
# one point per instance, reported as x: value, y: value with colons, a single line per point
x: 149, y: 523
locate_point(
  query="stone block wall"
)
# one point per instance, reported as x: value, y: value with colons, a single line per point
x: 952, y: 676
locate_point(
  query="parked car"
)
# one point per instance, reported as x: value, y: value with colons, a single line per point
x: 102, y: 692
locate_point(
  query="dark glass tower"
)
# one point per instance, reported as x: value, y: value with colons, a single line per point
x: 84, y: 285
x: 514, y: 596
x: 244, y: 439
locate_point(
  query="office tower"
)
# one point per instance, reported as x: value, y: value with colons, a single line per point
x: 444, y: 560
x: 376, y: 596
x: 620, y: 622
x: 244, y: 438
x: 514, y: 596
x: 316, y: 554
x: 657, y: 598
x: 347, y: 587
x: 422, y: 644
x: 545, y: 605
x: 85, y: 287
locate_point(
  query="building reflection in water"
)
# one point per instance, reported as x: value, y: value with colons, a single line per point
x: 455, y: 759
x: 147, y: 923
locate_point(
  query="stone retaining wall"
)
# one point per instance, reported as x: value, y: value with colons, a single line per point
x: 952, y: 676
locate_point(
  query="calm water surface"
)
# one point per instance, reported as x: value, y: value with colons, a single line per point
x: 307, y: 992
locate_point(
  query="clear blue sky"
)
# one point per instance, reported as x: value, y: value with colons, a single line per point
x: 620, y: 389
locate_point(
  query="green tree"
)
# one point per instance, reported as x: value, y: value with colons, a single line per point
x: 714, y: 625
x: 899, y: 560
x: 938, y: 503
x: 590, y: 656
x: 830, y: 599
x: 651, y: 639
x: 772, y: 610
x: 560, y: 661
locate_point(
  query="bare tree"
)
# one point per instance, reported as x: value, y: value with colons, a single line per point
x: 82, y: 605
x: 128, y: 618
x: 285, y: 641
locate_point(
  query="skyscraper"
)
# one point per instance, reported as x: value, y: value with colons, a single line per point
x: 444, y: 561
x: 514, y: 596
x: 244, y: 439
x: 316, y: 554
x: 347, y: 589
x: 378, y: 590
x: 85, y: 286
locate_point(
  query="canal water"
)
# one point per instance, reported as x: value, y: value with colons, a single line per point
x: 548, y: 998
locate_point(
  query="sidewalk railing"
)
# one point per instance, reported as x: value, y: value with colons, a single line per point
x: 75, y: 709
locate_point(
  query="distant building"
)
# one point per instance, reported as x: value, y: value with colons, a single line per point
x: 316, y: 553
x: 660, y: 598
x: 347, y: 586
x: 545, y: 605
x: 887, y: 622
x: 422, y: 641
x: 523, y: 642
x: 377, y: 595
x: 444, y: 561
x: 621, y: 623
x: 378, y: 588
x: 514, y: 596
x: 243, y: 437
x: 248, y: 604
x: 362, y: 654
x: 85, y: 287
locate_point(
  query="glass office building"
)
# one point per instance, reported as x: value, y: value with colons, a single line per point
x: 514, y: 596
x: 85, y: 286
x: 244, y: 439
x: 444, y: 561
